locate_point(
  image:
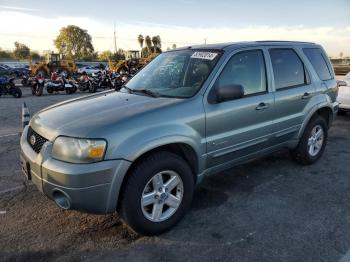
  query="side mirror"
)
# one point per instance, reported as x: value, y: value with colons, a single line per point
x: 225, y: 93
x: 341, y: 83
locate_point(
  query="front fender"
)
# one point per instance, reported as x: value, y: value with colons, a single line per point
x: 138, y: 144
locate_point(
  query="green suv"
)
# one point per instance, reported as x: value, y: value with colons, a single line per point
x: 191, y: 112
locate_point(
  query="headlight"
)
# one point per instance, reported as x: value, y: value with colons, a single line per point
x: 78, y: 150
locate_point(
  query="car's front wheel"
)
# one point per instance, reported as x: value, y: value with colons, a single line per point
x: 312, y: 142
x: 157, y: 193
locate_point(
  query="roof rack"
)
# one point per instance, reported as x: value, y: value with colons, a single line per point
x: 283, y: 41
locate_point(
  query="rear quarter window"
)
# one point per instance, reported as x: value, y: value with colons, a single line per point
x: 318, y: 61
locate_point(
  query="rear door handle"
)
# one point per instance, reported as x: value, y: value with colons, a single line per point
x: 306, y: 95
x: 262, y: 106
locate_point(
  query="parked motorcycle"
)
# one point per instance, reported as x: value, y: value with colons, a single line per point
x: 62, y: 84
x: 108, y: 80
x: 87, y: 83
x: 25, y: 80
x: 7, y: 86
x: 37, y: 85
x: 121, y: 80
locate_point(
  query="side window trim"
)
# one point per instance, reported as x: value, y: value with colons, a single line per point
x: 307, y: 77
x: 228, y: 59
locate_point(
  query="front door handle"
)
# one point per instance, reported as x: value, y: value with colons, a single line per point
x: 306, y: 95
x: 262, y: 106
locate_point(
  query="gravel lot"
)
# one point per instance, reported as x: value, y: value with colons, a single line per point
x: 270, y: 209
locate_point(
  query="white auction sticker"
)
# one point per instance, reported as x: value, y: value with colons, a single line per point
x: 204, y: 55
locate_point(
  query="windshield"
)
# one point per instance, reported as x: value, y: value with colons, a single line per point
x: 175, y: 74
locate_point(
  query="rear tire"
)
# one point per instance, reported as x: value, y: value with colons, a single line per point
x: 92, y: 88
x: 313, y: 141
x: 134, y: 212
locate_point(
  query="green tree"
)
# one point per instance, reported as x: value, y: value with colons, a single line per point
x: 35, y: 55
x: 5, y: 54
x: 159, y: 41
x: 140, y: 39
x: 74, y: 42
x: 120, y: 55
x: 148, y: 42
x: 21, y: 51
x: 89, y: 57
x: 105, y: 55
x: 156, y: 43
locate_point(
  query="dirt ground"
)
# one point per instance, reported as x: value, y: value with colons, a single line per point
x: 270, y: 209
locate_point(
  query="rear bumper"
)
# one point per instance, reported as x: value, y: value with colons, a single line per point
x: 335, y: 109
x: 91, y: 188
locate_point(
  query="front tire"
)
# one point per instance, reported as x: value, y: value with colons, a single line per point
x: 157, y: 194
x: 313, y: 141
x: 39, y: 90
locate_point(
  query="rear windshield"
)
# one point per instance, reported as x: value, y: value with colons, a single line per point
x: 319, y: 63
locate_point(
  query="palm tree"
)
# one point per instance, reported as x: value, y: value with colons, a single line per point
x: 159, y: 42
x: 155, y: 43
x: 140, y: 39
x: 148, y: 42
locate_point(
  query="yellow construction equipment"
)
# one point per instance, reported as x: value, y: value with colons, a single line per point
x: 53, y: 62
x: 132, y: 61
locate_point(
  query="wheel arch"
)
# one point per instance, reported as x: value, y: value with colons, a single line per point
x: 184, y: 150
x: 322, y: 110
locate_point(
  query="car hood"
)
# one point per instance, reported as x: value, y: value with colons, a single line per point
x: 86, y: 116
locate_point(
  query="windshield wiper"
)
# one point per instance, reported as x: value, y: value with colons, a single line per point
x: 127, y: 88
x: 146, y: 92
x: 143, y: 91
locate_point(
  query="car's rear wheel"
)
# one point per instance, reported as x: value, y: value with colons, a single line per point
x: 313, y: 141
x: 157, y: 193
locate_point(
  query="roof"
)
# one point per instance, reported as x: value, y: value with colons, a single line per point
x: 246, y: 44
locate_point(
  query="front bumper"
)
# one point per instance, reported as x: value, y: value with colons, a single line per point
x: 91, y: 187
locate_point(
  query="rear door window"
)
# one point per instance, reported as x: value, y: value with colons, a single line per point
x: 318, y: 61
x: 288, y: 69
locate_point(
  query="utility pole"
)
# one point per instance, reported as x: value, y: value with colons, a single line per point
x: 205, y: 41
x: 115, y: 41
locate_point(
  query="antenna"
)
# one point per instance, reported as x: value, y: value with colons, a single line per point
x: 115, y: 41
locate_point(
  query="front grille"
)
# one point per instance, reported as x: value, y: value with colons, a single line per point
x: 39, y: 141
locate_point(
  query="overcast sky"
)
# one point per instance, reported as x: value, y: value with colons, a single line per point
x: 183, y: 22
